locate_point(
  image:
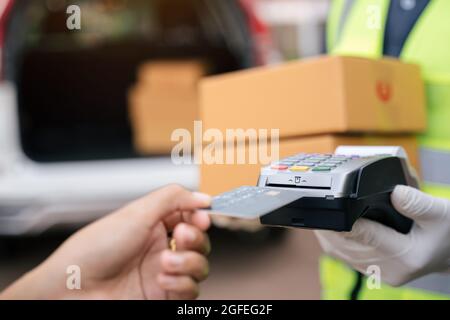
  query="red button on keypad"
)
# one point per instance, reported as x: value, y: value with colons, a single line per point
x: 280, y: 167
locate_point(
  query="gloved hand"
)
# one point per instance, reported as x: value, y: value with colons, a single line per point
x: 401, y: 258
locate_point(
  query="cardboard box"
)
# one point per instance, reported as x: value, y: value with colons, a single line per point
x: 164, y: 99
x: 215, y: 179
x: 316, y: 96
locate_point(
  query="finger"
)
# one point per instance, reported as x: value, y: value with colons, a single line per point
x: 377, y: 236
x: 325, y: 239
x: 417, y: 205
x: 199, y: 218
x: 179, y: 287
x: 188, y: 237
x: 221, y: 221
x: 185, y: 263
x: 234, y: 224
x: 173, y: 220
x: 165, y: 202
x: 338, y: 246
x: 367, y: 241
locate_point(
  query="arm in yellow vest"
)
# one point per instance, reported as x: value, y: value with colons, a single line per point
x: 401, y: 258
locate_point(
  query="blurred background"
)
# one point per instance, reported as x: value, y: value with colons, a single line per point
x: 79, y: 136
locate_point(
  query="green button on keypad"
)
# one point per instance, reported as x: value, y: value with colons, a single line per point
x: 322, y: 169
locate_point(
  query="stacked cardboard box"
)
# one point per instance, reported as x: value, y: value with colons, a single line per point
x: 317, y: 105
x: 164, y: 99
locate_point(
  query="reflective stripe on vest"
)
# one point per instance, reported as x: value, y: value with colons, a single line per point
x: 428, y: 46
x: 362, y: 34
x: 437, y: 168
x: 347, y: 8
x: 436, y: 282
x: 338, y: 282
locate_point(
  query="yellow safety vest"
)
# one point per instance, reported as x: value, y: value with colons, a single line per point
x: 356, y: 28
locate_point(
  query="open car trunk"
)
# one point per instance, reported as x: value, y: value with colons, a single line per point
x: 73, y: 85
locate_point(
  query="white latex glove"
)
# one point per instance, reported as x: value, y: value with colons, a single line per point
x: 401, y: 258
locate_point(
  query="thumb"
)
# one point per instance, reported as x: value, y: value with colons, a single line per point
x: 417, y: 205
x: 162, y: 203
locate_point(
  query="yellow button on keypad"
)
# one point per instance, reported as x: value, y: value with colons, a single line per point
x: 299, y: 168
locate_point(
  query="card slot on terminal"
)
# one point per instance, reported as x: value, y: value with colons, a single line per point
x: 300, y: 181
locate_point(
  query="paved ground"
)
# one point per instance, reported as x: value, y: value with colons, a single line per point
x: 282, y: 266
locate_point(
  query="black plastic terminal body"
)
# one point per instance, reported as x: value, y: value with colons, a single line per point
x: 372, y: 186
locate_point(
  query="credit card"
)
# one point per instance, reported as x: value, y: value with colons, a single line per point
x: 252, y: 202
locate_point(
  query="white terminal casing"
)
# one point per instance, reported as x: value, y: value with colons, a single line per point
x: 368, y: 151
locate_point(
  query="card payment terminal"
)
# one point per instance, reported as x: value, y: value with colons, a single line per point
x: 325, y: 191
